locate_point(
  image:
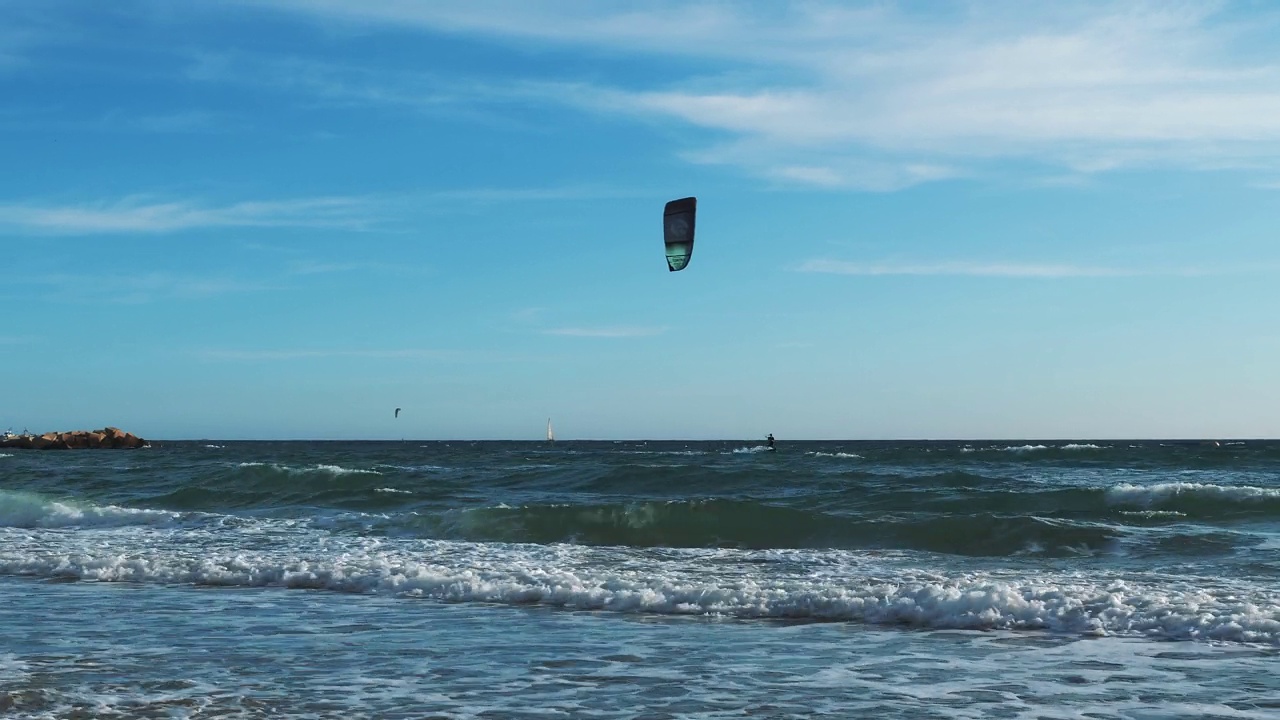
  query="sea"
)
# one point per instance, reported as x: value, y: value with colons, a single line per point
x: 413, y: 579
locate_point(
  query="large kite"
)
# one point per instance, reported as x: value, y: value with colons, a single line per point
x: 677, y: 231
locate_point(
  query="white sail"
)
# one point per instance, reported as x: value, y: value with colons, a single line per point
x: 551, y: 435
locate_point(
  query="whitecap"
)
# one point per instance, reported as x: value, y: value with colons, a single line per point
x: 1153, y: 513
x: 1147, y: 494
x: 318, y: 468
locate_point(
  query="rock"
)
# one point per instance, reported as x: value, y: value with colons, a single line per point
x: 109, y: 437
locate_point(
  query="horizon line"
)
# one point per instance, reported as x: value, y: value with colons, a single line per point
x: 1186, y: 439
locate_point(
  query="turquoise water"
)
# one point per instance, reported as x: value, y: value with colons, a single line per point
x: 998, y: 579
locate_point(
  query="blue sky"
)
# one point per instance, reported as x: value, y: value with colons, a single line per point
x: 252, y: 219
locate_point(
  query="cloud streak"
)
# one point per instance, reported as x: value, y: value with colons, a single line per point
x: 241, y: 355
x: 883, y: 96
x: 319, y: 267
x: 139, y: 289
x: 137, y: 215
x: 971, y: 269
x: 1004, y: 269
x: 141, y: 215
x: 606, y: 332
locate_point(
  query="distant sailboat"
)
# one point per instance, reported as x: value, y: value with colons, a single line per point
x: 551, y: 434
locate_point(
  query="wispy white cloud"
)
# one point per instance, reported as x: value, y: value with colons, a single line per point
x: 1016, y: 270
x: 883, y: 95
x: 143, y: 214
x: 325, y: 83
x: 140, y: 215
x: 19, y: 32
x: 338, y: 83
x: 534, y: 194
x: 183, y: 121
x: 320, y: 267
x: 992, y: 269
x: 54, y: 118
x: 534, y: 319
x: 528, y: 314
x: 138, y: 289
x: 658, y: 26
x: 322, y: 353
x: 606, y: 332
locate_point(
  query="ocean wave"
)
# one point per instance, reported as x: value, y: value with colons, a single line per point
x: 321, y: 469
x: 412, y: 468
x: 1028, y: 448
x: 28, y: 510
x: 1169, y: 491
x: 686, y: 453
x: 1005, y: 448
x: 836, y: 455
x: 558, y: 578
x: 748, y: 450
x: 747, y: 524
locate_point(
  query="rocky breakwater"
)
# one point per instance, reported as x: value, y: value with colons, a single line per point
x: 74, y: 440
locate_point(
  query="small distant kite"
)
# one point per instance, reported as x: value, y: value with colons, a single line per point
x: 397, y: 412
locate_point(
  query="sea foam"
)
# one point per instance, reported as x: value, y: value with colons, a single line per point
x: 322, y: 469
x: 678, y: 584
x: 1126, y: 493
x: 1024, y: 448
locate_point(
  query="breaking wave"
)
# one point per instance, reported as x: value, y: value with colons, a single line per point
x: 28, y: 510
x: 561, y: 577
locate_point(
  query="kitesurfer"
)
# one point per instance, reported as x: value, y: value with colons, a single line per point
x: 770, y: 440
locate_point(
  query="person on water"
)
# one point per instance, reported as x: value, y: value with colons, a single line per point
x: 770, y: 440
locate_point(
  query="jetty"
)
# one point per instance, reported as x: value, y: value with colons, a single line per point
x: 108, y: 437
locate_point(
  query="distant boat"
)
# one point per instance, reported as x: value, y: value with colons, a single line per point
x: 551, y: 434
